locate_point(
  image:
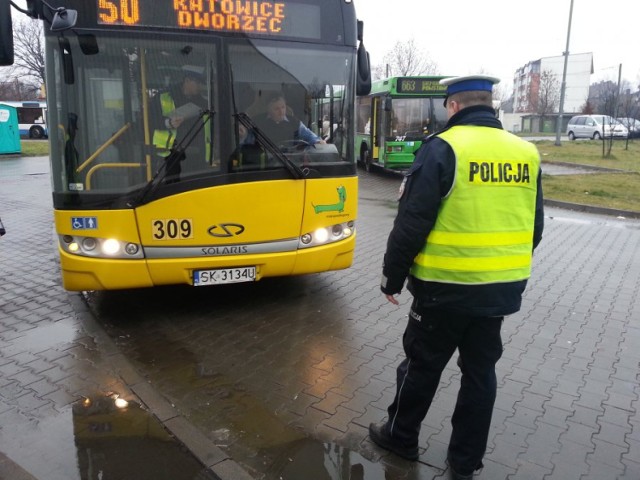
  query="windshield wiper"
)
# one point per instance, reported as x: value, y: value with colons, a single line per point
x: 268, y: 144
x: 171, y: 164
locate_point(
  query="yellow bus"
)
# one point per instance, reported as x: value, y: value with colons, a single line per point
x: 154, y: 184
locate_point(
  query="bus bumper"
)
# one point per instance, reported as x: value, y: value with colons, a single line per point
x: 81, y: 273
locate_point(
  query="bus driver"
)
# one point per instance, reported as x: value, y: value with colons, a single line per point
x: 282, y: 126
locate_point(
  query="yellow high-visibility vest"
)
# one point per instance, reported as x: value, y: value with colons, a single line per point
x: 163, y: 139
x: 484, y: 230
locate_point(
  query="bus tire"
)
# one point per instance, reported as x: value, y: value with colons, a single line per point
x: 36, y: 132
x: 368, y: 165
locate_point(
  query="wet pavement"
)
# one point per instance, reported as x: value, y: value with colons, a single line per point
x: 281, y: 378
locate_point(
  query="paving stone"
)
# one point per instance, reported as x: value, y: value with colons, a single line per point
x: 567, y: 399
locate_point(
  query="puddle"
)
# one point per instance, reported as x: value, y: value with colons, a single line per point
x: 96, y: 440
x: 228, y: 379
x: 118, y: 439
x: 312, y: 460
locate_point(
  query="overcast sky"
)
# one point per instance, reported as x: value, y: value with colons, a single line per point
x: 499, y: 36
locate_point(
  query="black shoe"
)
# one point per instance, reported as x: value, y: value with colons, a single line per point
x: 454, y: 475
x: 380, y: 437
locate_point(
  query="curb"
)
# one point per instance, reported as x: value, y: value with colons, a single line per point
x: 13, y: 471
x: 577, y: 207
x: 582, y: 166
x: 208, y: 453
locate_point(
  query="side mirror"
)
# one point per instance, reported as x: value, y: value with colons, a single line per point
x: 6, y: 34
x: 363, y: 67
x: 64, y: 20
x: 363, y: 74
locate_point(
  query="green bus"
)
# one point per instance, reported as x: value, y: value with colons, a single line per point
x: 393, y: 120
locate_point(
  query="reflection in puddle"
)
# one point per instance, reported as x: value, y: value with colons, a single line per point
x: 312, y: 460
x: 118, y: 439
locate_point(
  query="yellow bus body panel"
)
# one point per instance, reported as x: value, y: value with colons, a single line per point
x: 266, y: 213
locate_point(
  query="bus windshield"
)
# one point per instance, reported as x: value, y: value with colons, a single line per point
x: 140, y: 96
x: 413, y: 118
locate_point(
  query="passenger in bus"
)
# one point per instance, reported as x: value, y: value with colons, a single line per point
x: 175, y: 111
x: 282, y: 127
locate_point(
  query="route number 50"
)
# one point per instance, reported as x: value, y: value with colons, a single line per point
x: 114, y: 12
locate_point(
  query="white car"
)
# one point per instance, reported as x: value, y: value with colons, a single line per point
x: 595, y: 127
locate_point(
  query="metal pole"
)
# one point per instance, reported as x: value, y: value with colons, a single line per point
x: 564, y: 80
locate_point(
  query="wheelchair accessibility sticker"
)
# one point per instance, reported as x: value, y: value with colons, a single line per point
x: 84, y: 223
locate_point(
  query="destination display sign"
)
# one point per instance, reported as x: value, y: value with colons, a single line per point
x: 246, y: 16
x: 420, y: 85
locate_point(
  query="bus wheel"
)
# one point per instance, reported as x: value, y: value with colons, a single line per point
x: 36, y: 132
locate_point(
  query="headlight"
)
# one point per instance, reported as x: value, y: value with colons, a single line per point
x: 100, y: 247
x: 323, y: 236
x: 110, y: 247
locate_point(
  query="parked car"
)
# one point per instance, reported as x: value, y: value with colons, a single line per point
x: 595, y: 127
x: 632, y: 124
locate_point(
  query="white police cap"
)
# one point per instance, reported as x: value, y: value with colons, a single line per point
x: 195, y: 72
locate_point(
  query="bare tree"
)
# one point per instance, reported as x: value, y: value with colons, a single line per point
x: 629, y: 104
x: 405, y: 59
x: 629, y: 110
x: 546, y: 99
x: 604, y: 96
x: 588, y: 108
x: 15, y: 89
x: 548, y: 93
x: 28, y: 40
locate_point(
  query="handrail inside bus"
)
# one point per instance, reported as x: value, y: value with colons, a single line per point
x: 104, y: 146
x: 108, y: 165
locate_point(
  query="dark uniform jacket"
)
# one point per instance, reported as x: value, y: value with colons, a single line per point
x: 429, y: 179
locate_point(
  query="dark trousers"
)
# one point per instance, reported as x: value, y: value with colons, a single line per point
x: 429, y: 341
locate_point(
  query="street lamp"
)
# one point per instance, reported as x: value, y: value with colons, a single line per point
x: 564, y: 80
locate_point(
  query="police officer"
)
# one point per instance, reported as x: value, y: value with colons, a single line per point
x: 469, y: 216
x: 173, y: 123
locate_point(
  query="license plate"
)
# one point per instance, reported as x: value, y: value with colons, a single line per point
x: 221, y: 276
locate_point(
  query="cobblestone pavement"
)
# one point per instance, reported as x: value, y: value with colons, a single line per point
x: 283, y: 374
x: 55, y: 357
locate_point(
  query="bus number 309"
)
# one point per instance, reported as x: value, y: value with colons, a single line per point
x: 172, y: 229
